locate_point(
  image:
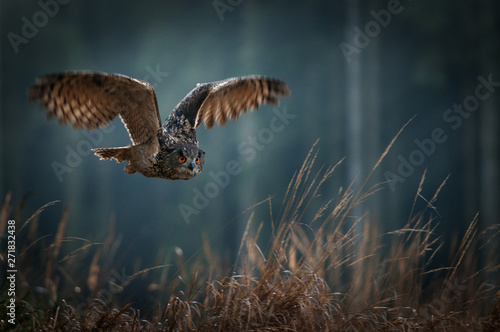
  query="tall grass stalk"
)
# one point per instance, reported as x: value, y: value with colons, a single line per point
x: 318, y: 273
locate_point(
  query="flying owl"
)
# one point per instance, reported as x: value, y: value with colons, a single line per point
x: 92, y: 100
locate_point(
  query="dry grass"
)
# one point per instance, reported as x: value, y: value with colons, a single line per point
x: 315, y: 275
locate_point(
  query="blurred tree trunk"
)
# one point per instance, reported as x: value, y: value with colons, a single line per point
x: 471, y: 142
x: 489, y: 120
x: 353, y: 110
x: 247, y: 193
x: 482, y: 139
x: 489, y: 161
x: 471, y: 178
x: 371, y: 106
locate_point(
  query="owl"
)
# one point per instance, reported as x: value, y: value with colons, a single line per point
x: 170, y: 151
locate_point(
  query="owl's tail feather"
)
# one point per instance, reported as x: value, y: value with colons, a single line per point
x: 120, y: 154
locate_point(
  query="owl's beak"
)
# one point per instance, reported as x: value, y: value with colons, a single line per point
x: 191, y: 166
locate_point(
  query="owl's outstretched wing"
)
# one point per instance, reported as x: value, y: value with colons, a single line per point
x: 230, y: 98
x: 92, y: 100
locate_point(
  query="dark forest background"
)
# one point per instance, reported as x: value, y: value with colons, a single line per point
x: 358, y: 71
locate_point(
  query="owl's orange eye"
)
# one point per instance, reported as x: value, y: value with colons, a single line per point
x: 197, y: 160
x: 182, y: 159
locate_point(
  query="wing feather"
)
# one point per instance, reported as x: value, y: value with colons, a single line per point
x: 92, y: 100
x: 230, y: 98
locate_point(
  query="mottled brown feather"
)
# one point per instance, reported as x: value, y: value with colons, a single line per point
x: 230, y: 98
x: 92, y: 100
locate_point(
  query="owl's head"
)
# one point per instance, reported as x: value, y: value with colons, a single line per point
x: 183, y: 162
